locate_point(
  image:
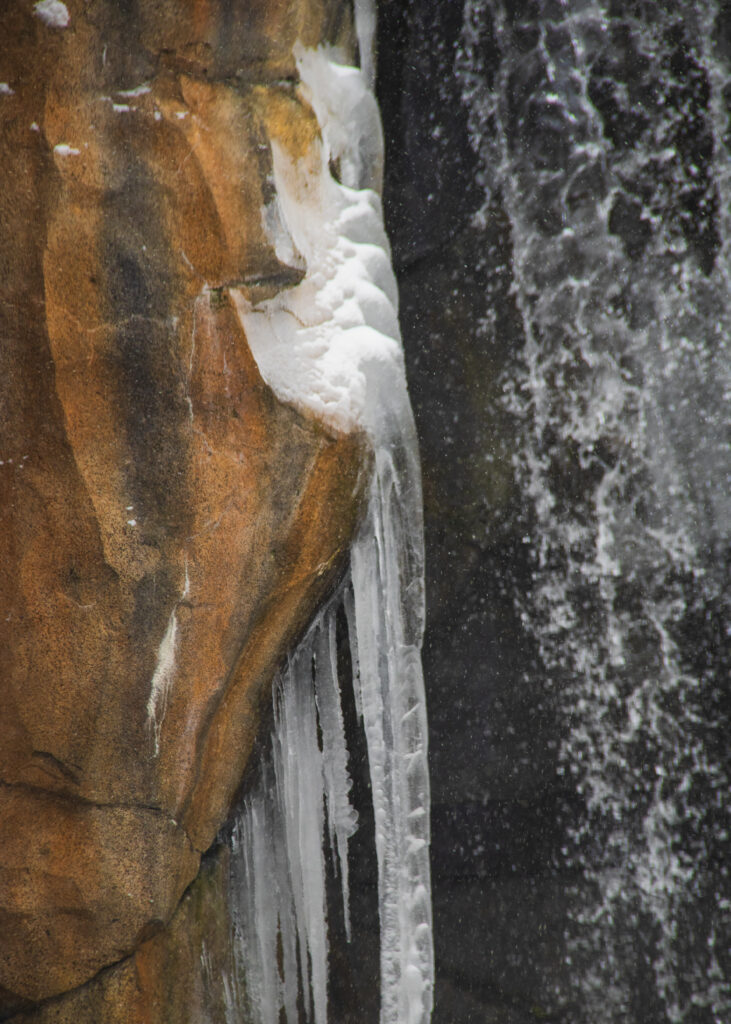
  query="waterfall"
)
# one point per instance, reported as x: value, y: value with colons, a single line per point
x: 331, y: 346
x: 602, y: 130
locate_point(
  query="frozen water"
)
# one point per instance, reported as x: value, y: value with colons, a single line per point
x: 278, y: 886
x: 386, y: 625
x: 331, y: 345
x: 279, y: 866
x: 342, y: 819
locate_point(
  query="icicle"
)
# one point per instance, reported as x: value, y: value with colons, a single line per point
x: 299, y: 771
x: 388, y: 606
x: 342, y: 819
x: 278, y: 876
x: 330, y: 346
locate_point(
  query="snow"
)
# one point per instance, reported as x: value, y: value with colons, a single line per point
x: 324, y: 344
x: 52, y: 13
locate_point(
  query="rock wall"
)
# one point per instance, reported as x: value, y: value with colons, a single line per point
x: 167, y: 525
x: 557, y: 196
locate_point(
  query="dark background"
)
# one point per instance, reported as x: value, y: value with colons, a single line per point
x: 508, y: 884
x: 497, y: 802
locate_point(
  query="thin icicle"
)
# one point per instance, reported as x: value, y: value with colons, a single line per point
x: 349, y: 606
x: 299, y: 774
x: 342, y: 819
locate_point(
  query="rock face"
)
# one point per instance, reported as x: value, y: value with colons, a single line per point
x: 185, y: 973
x: 167, y: 526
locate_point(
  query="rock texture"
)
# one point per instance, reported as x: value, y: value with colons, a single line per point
x: 185, y: 973
x: 166, y: 525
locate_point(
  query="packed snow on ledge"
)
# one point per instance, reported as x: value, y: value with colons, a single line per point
x: 331, y: 346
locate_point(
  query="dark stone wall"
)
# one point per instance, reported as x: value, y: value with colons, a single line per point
x: 496, y: 798
x: 516, y: 852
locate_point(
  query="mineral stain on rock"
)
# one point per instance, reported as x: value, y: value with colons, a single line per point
x: 148, y: 476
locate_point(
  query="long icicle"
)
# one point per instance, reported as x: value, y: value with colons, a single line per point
x: 388, y: 612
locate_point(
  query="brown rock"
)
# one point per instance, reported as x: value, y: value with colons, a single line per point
x: 185, y: 973
x: 167, y: 526
x: 87, y: 889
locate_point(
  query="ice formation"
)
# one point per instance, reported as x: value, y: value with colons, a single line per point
x: 325, y: 344
x: 163, y: 677
x: 331, y: 346
x: 279, y: 862
x: 53, y: 13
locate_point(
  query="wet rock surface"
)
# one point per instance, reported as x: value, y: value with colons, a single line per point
x: 184, y: 973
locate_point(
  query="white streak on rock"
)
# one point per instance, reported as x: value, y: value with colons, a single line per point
x: 162, y: 680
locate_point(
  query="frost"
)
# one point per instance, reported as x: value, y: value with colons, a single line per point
x: 52, y: 13
x: 5, y: 89
x: 63, y: 149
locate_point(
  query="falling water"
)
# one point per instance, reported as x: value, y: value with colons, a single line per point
x: 603, y: 130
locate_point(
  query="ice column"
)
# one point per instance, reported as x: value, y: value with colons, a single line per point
x: 385, y: 621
